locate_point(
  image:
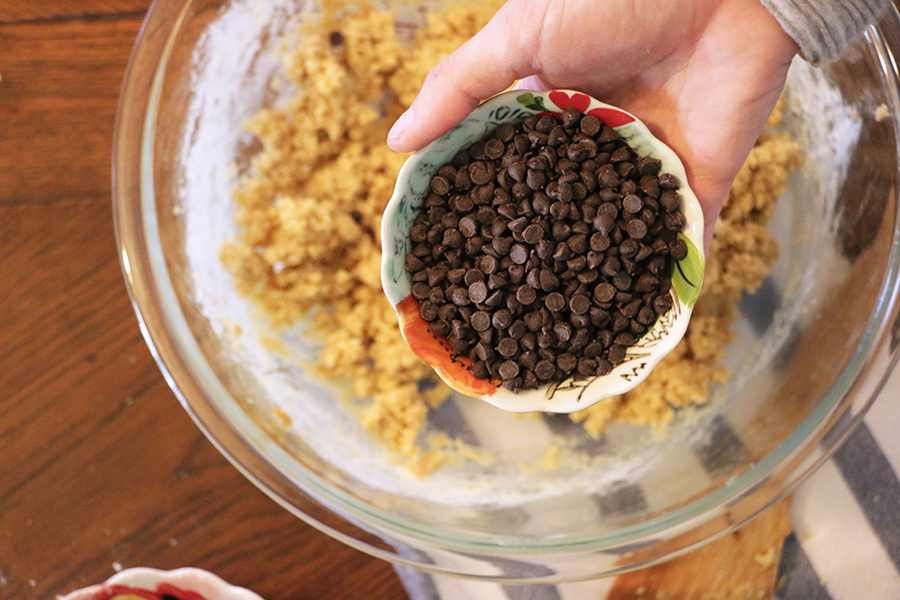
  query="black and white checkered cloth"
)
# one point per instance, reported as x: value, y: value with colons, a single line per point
x: 845, y: 544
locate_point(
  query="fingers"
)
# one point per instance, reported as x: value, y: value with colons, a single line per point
x: 486, y: 65
x: 712, y: 196
x: 532, y: 83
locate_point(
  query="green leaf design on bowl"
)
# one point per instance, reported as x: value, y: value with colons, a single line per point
x: 531, y: 102
x: 687, y: 277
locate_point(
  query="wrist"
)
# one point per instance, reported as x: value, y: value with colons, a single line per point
x: 822, y: 29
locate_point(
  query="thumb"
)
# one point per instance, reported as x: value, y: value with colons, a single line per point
x: 486, y: 65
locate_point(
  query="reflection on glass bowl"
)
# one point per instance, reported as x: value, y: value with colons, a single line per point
x: 813, y: 344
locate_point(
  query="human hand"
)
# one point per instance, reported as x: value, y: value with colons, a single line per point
x: 703, y: 75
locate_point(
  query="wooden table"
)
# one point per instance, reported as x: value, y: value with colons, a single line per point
x: 93, y: 478
x: 100, y: 468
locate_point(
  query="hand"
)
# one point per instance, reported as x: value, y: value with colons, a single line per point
x: 703, y: 75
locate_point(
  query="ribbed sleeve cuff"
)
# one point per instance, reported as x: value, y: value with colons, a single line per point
x: 823, y: 28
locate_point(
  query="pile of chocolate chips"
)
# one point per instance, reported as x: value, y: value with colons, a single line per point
x: 544, y: 251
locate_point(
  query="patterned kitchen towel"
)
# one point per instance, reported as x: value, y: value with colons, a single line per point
x: 846, y: 539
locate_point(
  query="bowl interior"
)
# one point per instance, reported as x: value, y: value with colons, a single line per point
x: 803, y: 338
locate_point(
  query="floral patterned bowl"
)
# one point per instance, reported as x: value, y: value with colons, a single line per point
x: 142, y: 583
x: 409, y: 194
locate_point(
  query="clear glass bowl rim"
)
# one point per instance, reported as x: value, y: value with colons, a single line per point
x: 181, y: 361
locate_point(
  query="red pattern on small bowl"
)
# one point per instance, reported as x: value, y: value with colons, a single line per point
x: 411, y: 188
x: 610, y: 115
x: 143, y: 583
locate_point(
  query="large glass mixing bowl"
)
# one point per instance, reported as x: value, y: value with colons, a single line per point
x: 814, y: 344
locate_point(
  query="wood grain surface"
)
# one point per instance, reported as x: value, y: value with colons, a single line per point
x: 100, y: 468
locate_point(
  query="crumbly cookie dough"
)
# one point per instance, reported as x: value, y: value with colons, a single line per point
x: 310, y: 209
x: 310, y: 213
x: 740, y: 257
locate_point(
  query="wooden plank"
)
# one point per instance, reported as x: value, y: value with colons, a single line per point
x: 26, y: 10
x: 742, y: 565
x: 58, y: 97
x: 101, y: 466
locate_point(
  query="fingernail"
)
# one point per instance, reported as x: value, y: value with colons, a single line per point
x: 400, y: 126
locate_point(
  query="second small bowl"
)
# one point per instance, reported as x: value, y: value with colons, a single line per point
x: 410, y: 193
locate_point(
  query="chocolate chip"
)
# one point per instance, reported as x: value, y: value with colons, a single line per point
x: 477, y: 292
x: 458, y: 295
x: 505, y: 132
x: 678, y: 249
x: 622, y: 281
x: 533, y: 321
x: 621, y: 154
x: 518, y: 171
x: 502, y: 245
x: 590, y: 125
x: 570, y: 117
x: 413, y: 263
x: 516, y: 273
x: 603, y: 367
x: 518, y: 225
x: 480, y: 320
x: 518, y: 253
x: 578, y: 244
x: 616, y: 354
x: 468, y: 227
x: 668, y: 181
x: 674, y: 221
x: 507, y: 346
x: 586, y: 366
x: 567, y: 362
x: 670, y: 200
x: 544, y: 369
x: 646, y: 282
x: 533, y: 234
x: 632, y: 203
x: 636, y: 228
x: 662, y: 304
x: 630, y: 310
x: 588, y: 276
x: 536, y: 180
x: 472, y: 275
x: 494, y: 148
x: 650, y: 186
x: 548, y: 280
x: 420, y: 290
x: 440, y: 185
x: 579, y: 304
x: 604, y: 224
x: 545, y: 124
x: 555, y: 302
x: 604, y: 292
x: 526, y: 294
x: 649, y: 165
x: 428, y: 310
x: 611, y: 265
x: 502, y: 319
x: 646, y: 316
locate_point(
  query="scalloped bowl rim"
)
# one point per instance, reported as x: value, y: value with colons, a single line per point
x: 186, y: 579
x: 407, y: 198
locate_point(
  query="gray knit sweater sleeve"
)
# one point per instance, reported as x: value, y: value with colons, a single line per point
x: 822, y: 28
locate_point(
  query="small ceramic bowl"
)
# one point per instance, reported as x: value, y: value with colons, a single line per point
x: 142, y: 583
x: 409, y: 194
